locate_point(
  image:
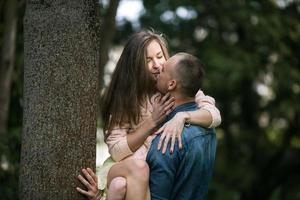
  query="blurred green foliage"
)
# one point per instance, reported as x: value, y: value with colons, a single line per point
x: 10, y: 146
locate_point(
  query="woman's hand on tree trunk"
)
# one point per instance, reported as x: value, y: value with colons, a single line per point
x: 90, y: 181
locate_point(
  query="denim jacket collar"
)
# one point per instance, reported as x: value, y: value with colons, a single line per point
x: 183, y: 107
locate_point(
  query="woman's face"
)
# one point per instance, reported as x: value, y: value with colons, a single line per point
x: 155, y: 58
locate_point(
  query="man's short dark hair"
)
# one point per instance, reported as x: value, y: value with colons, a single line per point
x: 189, y: 71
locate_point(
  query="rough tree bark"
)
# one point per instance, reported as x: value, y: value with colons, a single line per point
x: 60, y: 90
x: 7, y: 61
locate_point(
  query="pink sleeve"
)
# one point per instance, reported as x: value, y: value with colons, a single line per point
x: 117, y: 144
x: 208, y: 103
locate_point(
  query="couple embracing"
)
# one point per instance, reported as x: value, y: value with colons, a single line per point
x: 158, y: 126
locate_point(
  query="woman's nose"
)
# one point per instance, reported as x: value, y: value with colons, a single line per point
x: 156, y: 65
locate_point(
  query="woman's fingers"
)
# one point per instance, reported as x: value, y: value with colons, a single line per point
x: 169, y: 111
x: 83, y: 181
x: 160, y: 130
x: 161, y: 139
x: 173, y: 139
x: 94, y: 176
x: 88, y: 177
x: 89, y: 180
x: 82, y: 191
x: 165, y: 144
x: 156, y: 97
x: 169, y: 101
x: 179, y: 141
x: 165, y: 98
x: 168, y: 107
x: 162, y: 106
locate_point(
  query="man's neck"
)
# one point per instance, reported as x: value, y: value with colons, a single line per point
x: 180, y: 99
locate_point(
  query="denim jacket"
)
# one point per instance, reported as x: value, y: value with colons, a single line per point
x: 185, y: 173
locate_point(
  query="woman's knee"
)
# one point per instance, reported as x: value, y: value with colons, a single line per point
x: 118, y: 185
x: 139, y: 168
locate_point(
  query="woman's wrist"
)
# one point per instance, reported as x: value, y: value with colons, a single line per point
x: 98, y: 196
x: 186, y: 116
x: 152, y: 123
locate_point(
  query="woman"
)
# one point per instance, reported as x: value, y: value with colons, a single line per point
x: 132, y: 112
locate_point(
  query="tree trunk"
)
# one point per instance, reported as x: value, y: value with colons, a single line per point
x: 60, y: 90
x: 7, y: 62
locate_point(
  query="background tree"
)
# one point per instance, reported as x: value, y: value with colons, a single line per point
x: 11, y: 45
x: 7, y: 61
x: 107, y: 32
x: 60, y: 90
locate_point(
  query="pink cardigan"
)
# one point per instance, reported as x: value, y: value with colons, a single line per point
x: 117, y: 140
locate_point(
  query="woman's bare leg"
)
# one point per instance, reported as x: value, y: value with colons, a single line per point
x: 136, y: 173
x: 117, y: 189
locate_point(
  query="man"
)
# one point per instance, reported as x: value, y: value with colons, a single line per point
x: 183, y: 174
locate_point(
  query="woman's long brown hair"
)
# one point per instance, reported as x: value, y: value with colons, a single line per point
x: 131, y: 82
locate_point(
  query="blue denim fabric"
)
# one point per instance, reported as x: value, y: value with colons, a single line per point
x: 185, y: 173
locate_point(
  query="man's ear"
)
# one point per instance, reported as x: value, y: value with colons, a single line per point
x: 172, y: 84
